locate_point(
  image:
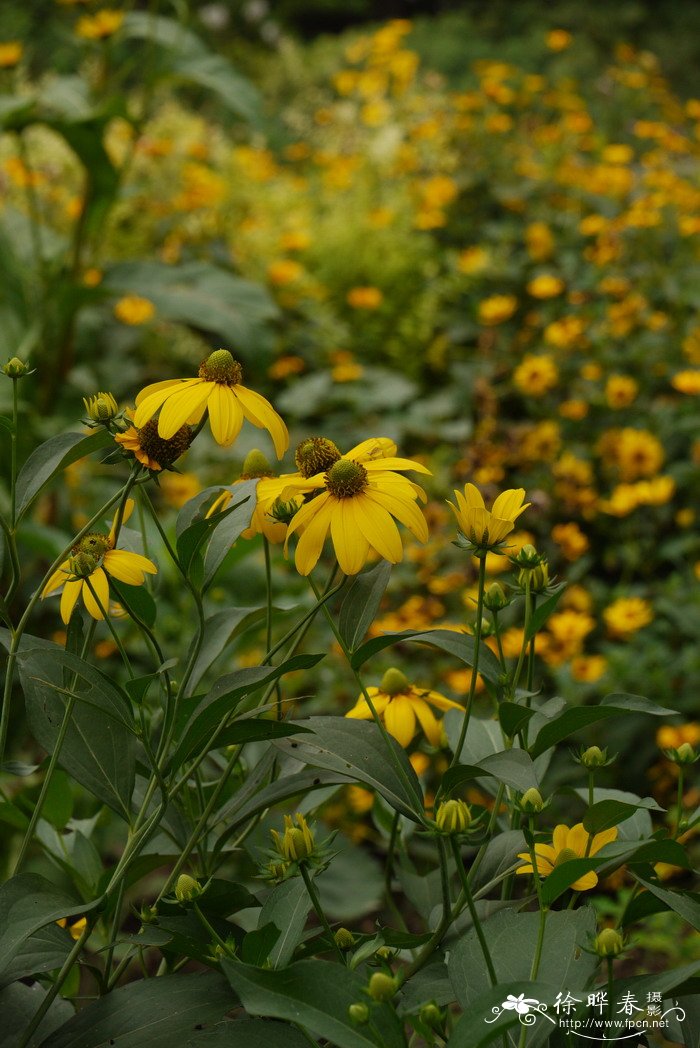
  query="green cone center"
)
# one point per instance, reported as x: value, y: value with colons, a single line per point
x: 315, y: 455
x: 394, y: 682
x: 346, y: 479
x: 94, y: 544
x: 222, y: 368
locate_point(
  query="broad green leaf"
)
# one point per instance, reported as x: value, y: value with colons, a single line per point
x: 685, y: 904
x: 575, y: 718
x: 219, y: 631
x: 250, y: 1033
x: 358, y: 749
x: 223, y: 698
x: 58, y: 802
x: 319, y: 994
x: 512, y: 942
x: 202, y: 295
x: 361, y: 603
x: 43, y: 951
x: 353, y: 885
x: 29, y: 902
x: 52, y: 457
x: 99, y: 749
x: 258, y: 945
x: 256, y: 729
x: 543, y: 611
x: 286, y: 907
x: 150, y: 1013
x: 514, y: 717
x: 511, y: 767
x: 137, y: 601
x: 461, y: 645
x: 605, y: 814
x: 19, y: 1004
x: 85, y: 138
x: 212, y: 537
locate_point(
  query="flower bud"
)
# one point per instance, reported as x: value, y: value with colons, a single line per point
x: 358, y: 1012
x: 685, y: 754
x: 344, y: 938
x: 187, y: 888
x: 495, y: 598
x: 453, y: 816
x: 147, y: 914
x: 276, y: 871
x: 394, y: 682
x: 531, y: 801
x: 430, y: 1014
x: 608, y: 943
x: 82, y: 565
x: 297, y: 842
x: 594, y: 757
x: 284, y: 512
x: 101, y: 408
x: 15, y: 368
x: 255, y: 465
x: 382, y: 986
x: 527, y: 557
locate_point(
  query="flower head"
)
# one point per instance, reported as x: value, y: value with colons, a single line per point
x: 86, y: 573
x: 266, y: 517
x: 99, y: 26
x: 218, y: 390
x: 400, y: 704
x: 568, y: 843
x: 486, y: 529
x: 134, y: 310
x: 10, y: 53
x: 297, y: 841
x: 150, y: 449
x: 101, y: 407
x: 359, y: 494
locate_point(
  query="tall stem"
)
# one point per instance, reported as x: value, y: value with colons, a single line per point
x: 475, y: 666
x: 318, y: 908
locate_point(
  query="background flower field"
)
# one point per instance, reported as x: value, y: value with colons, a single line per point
x: 482, y: 247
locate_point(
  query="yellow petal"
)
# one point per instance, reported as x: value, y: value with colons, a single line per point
x: 155, y: 387
x: 404, y: 510
x: 180, y: 405
x: 378, y: 528
x: 128, y: 567
x: 262, y: 414
x: 601, y: 839
x: 311, y: 541
x: 374, y: 448
x: 351, y: 548
x: 585, y: 883
x: 577, y: 839
x: 400, y: 720
x: 559, y: 837
x: 71, y: 592
x: 148, y: 405
x: 395, y: 463
x: 509, y: 504
x: 472, y: 497
x: 439, y: 701
x: 128, y: 510
x: 431, y: 726
x: 96, y: 603
x: 57, y: 579
x: 498, y: 529
x: 225, y: 415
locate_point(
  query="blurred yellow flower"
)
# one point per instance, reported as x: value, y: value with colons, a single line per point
x: 558, y: 39
x: 620, y: 391
x: 284, y: 271
x: 671, y: 736
x: 545, y: 286
x: 101, y: 25
x: 588, y: 668
x: 626, y: 615
x: 536, y: 374
x: 364, y: 297
x: 472, y: 260
x: 134, y: 310
x: 572, y: 541
x: 687, y: 382
x: 10, y: 53
x: 497, y: 309
x: 568, y: 843
x: 539, y: 241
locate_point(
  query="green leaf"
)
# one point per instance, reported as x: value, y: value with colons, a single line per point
x: 28, y: 902
x: 58, y: 802
x: 574, y: 718
x: 361, y: 603
x: 257, y: 945
x: 53, y: 456
x: 102, y: 180
x: 514, y: 717
x: 219, y: 631
x: 151, y: 1013
x: 359, y: 750
x: 19, y: 1004
x: 461, y: 645
x: 319, y: 994
x: 256, y: 729
x: 137, y: 601
x: 250, y: 1033
x: 606, y: 814
x: 286, y: 908
x: 223, y: 698
x: 213, y: 537
x: 543, y: 611
x: 512, y: 942
x: 685, y: 904
x: 99, y: 749
x: 203, y: 296
x: 352, y: 886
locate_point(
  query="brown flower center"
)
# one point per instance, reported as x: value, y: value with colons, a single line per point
x: 222, y: 368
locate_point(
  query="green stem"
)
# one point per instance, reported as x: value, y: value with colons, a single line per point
x: 446, y: 918
x: 318, y: 908
x: 212, y: 931
x: 543, y: 917
x: 268, y: 617
x: 523, y: 646
x: 475, y: 667
x: 388, y: 871
x: 13, y: 456
x: 472, y: 910
x: 114, y: 931
x: 679, y: 801
x: 53, y: 991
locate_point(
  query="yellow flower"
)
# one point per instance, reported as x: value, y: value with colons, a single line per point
x: 267, y: 492
x: 364, y: 297
x: 497, y: 309
x: 10, y: 53
x: 536, y: 374
x: 399, y: 704
x: 472, y: 260
x: 87, y: 571
x: 179, y: 488
x: 545, y: 286
x: 359, y: 494
x: 687, y: 382
x: 671, y: 736
x: 558, y: 39
x: 620, y: 391
x: 638, y: 453
x: 568, y: 843
x: 99, y: 26
x: 284, y: 271
x: 487, y: 528
x: 539, y: 241
x: 152, y: 450
x: 218, y: 390
x: 134, y: 310
x: 75, y: 929
x: 627, y: 615
x: 588, y: 668
x: 571, y: 539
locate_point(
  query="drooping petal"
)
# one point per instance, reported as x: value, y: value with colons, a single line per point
x: 146, y: 406
x: 361, y: 710
x: 310, y: 544
x: 400, y: 720
x: 155, y: 387
x: 351, y: 547
x: 428, y: 721
x: 262, y: 414
x: 58, y: 578
x: 302, y: 517
x: 374, y: 448
x: 128, y: 510
x: 395, y: 464
x: 128, y: 567
x: 585, y: 883
x: 378, y: 527
x: 98, y: 600
x: 71, y: 592
x: 225, y: 415
x: 601, y: 839
x: 439, y: 701
x: 180, y: 405
x: 405, y: 511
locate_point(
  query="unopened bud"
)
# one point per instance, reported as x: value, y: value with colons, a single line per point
x: 187, y: 888
x: 394, y: 682
x: 358, y: 1013
x: 102, y: 407
x: 344, y: 938
x: 609, y: 943
x: 495, y: 598
x: 255, y: 465
x: 453, y: 816
x: 430, y: 1014
x: 527, y: 557
x: 15, y: 368
x: 531, y: 801
x: 684, y: 754
x: 382, y: 986
x: 593, y: 757
x: 297, y: 842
